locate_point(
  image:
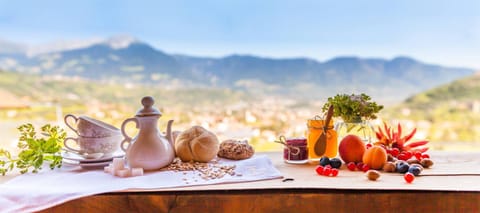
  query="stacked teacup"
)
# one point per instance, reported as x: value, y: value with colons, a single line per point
x: 94, y: 138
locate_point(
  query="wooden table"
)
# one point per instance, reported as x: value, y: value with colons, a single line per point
x: 452, y: 185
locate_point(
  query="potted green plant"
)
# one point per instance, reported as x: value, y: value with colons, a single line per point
x: 355, y: 111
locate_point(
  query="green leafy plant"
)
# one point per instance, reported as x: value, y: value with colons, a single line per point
x: 35, y: 149
x: 353, y: 108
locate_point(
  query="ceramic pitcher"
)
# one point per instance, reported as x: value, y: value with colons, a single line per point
x: 149, y: 149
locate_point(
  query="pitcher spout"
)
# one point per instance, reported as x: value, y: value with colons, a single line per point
x: 169, y: 133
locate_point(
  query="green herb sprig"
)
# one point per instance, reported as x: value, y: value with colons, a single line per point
x: 353, y: 108
x: 35, y: 150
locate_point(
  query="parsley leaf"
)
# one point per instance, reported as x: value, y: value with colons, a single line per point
x: 35, y: 150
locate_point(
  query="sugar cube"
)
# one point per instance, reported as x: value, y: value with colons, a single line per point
x: 107, y: 169
x: 118, y: 163
x: 123, y: 173
x: 137, y: 171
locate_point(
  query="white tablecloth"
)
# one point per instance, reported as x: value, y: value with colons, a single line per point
x: 34, y: 192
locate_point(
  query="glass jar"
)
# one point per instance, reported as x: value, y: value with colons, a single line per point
x: 315, y: 129
x: 363, y: 129
x: 295, y: 151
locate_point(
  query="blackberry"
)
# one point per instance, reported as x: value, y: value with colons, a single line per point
x: 335, y: 163
x: 415, y: 170
x: 324, y: 161
x: 402, y: 167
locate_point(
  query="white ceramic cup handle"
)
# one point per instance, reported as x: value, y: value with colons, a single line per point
x: 65, y: 143
x: 127, y: 139
x: 70, y: 126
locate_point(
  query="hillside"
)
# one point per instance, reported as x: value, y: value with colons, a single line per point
x: 82, y: 96
x: 450, y: 112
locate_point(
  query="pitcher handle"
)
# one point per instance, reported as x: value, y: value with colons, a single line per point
x: 65, y: 143
x: 65, y: 119
x: 127, y: 139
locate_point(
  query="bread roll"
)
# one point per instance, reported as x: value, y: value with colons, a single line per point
x: 196, y: 144
x: 235, y: 150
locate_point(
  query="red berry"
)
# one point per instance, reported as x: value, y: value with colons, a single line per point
x: 425, y: 156
x: 328, y: 166
x: 389, y: 151
x: 319, y: 170
x: 395, y: 152
x: 351, y: 166
x: 402, y: 156
x: 365, y: 168
x: 418, y: 155
x: 369, y: 145
x: 359, y: 165
x: 334, y: 172
x: 327, y: 171
x: 408, y: 154
x: 409, y: 177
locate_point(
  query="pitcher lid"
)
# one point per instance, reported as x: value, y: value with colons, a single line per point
x: 148, y: 109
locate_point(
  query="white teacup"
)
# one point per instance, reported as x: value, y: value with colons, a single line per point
x: 90, y: 127
x: 105, y: 145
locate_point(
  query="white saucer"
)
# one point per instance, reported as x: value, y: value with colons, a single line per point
x: 90, y: 165
x: 74, y: 157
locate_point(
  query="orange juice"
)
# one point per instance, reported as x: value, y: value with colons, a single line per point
x: 315, y: 129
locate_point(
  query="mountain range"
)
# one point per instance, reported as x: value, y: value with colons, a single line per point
x: 133, y: 61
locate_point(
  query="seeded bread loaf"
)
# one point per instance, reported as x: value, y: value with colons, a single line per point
x: 235, y: 149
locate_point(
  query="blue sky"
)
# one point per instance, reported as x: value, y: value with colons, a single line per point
x: 434, y: 31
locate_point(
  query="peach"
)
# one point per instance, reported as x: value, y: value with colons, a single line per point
x: 375, y: 157
x: 351, y: 149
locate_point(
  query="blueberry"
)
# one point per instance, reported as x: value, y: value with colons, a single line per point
x: 324, y: 161
x: 415, y: 170
x: 335, y: 163
x: 402, y: 167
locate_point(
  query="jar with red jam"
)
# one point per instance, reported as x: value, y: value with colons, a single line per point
x: 295, y: 151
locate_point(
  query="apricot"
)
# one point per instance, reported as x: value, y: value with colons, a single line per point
x: 351, y: 149
x: 375, y: 157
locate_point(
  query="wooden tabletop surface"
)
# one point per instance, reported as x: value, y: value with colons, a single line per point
x: 452, y: 171
x: 453, y: 184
